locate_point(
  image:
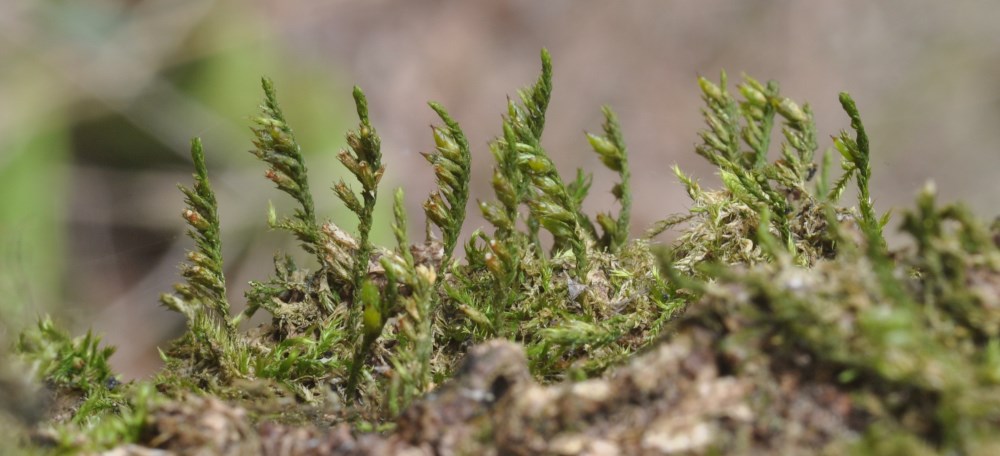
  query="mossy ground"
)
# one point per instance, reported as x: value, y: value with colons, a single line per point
x: 788, y: 289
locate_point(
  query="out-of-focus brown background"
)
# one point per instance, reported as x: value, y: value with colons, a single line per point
x: 98, y: 100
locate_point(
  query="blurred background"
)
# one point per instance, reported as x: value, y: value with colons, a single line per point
x: 99, y: 100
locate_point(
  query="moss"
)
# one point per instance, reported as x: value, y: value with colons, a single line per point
x: 784, y: 288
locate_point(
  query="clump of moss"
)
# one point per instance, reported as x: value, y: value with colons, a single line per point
x: 789, y: 199
x: 902, y: 347
x: 80, y: 364
x: 785, y: 285
x: 803, y: 297
x: 375, y: 327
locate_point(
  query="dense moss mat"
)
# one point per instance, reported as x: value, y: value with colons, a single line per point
x: 772, y: 283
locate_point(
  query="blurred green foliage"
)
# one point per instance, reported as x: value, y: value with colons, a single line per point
x: 32, y: 184
x: 99, y: 91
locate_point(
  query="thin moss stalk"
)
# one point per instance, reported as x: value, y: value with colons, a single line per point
x: 364, y: 160
x: 275, y: 144
x: 614, y: 155
x: 857, y: 162
x: 451, y: 161
x: 206, y: 283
